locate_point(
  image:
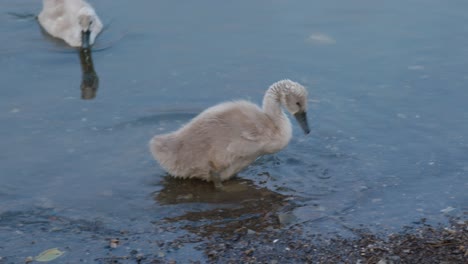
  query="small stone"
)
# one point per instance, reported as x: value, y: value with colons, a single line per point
x: 249, y: 252
x: 114, y: 243
x: 286, y: 218
x: 161, y: 254
x: 29, y: 259
x: 382, y: 261
x: 185, y: 197
x: 140, y: 257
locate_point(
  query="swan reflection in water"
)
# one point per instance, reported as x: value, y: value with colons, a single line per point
x: 77, y: 24
x: 240, y: 207
x: 90, y: 79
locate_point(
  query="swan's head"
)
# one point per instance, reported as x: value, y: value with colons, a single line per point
x: 294, y: 99
x: 89, y: 26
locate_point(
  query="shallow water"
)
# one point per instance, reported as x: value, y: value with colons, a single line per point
x: 388, y: 115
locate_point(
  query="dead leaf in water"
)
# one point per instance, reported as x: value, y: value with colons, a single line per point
x: 447, y: 210
x: 49, y: 255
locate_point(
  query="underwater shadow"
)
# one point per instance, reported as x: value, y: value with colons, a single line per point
x: 89, y: 78
x: 243, y: 206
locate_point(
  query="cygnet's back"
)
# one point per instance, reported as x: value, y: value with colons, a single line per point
x: 222, y: 140
x: 229, y: 132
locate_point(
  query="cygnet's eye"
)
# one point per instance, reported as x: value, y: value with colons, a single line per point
x: 298, y: 104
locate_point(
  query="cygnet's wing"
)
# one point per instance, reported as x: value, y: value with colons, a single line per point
x: 232, y: 129
x: 249, y: 131
x: 249, y: 143
x: 252, y: 132
x: 56, y: 21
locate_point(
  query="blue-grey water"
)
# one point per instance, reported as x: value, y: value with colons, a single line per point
x: 388, y: 111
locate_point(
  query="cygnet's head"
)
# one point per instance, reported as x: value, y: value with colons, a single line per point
x: 294, y: 99
x: 87, y: 21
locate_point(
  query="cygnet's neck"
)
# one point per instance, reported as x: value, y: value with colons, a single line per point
x: 272, y: 107
x: 272, y: 100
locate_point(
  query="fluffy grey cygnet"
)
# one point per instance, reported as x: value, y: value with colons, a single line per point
x: 226, y: 138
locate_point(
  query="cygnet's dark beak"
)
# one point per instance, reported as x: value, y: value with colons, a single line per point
x: 85, y: 39
x: 301, y: 118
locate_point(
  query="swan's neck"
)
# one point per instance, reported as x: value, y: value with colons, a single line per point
x: 272, y: 102
x: 272, y: 107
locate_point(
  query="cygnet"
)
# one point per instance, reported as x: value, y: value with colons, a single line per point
x: 226, y: 138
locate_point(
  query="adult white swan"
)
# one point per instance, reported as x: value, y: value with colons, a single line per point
x: 226, y: 138
x: 74, y: 21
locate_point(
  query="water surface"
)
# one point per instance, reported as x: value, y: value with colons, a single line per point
x: 388, y: 114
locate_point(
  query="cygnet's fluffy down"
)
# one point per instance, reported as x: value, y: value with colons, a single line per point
x: 74, y: 21
x: 226, y: 138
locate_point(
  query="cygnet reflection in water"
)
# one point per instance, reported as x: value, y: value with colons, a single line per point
x: 226, y: 138
x: 242, y: 205
x: 237, y: 191
x: 90, y: 79
x: 74, y: 21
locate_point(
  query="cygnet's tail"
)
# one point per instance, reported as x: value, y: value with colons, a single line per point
x: 162, y: 147
x: 157, y: 146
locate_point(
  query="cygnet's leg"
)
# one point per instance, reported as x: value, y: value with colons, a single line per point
x: 215, y: 175
x: 216, y: 178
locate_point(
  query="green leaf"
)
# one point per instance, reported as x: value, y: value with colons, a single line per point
x: 49, y: 255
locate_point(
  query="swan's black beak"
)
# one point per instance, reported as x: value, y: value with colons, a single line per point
x: 85, y: 39
x: 301, y: 118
